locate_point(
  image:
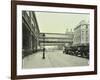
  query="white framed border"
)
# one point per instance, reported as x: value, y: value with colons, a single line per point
x: 21, y: 71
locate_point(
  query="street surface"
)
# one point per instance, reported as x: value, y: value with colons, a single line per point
x: 53, y: 59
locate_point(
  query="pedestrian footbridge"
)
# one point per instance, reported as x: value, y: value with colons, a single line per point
x: 55, y: 38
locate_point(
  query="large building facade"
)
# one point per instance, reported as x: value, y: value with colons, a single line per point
x: 30, y: 33
x: 81, y: 33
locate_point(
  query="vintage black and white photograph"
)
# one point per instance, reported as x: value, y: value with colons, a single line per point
x: 55, y: 39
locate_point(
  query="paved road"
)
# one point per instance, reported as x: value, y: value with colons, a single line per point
x: 53, y: 59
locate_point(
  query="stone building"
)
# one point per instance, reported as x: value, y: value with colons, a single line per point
x: 81, y: 33
x: 30, y: 33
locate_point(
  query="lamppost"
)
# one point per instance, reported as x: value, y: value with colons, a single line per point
x: 43, y: 46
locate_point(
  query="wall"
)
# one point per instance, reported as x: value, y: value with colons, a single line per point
x: 5, y: 41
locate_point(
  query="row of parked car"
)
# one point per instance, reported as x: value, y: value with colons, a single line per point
x: 80, y: 50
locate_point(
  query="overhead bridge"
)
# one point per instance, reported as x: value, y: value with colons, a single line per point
x: 55, y: 38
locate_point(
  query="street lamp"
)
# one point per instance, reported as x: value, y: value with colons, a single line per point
x: 43, y: 46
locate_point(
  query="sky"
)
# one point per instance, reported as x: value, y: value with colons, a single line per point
x: 51, y: 22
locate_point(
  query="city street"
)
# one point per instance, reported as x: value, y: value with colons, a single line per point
x: 53, y: 59
x: 55, y: 33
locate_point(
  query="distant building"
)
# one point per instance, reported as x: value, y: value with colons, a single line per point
x: 81, y: 33
x: 69, y: 35
x: 30, y: 33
